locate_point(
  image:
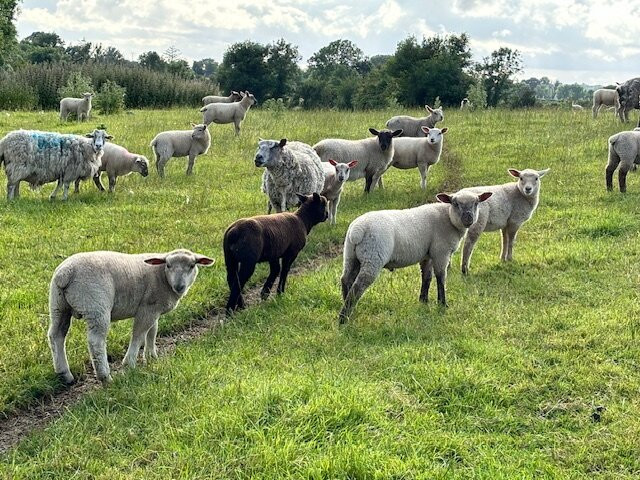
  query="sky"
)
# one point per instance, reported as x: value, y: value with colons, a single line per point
x: 585, y: 41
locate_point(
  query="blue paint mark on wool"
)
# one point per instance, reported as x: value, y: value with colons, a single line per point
x: 49, y: 140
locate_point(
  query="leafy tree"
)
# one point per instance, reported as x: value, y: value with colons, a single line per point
x: 522, y: 95
x: 43, y: 47
x: 573, y: 92
x: 44, y: 39
x: 7, y: 29
x: 152, y: 61
x: 76, y: 85
x: 244, y: 67
x: 107, y: 55
x: 339, y: 54
x: 110, y: 98
x: 80, y: 53
x: 207, y: 67
x: 477, y: 95
x: 282, y: 62
x: 376, y: 90
x: 180, y: 68
x: 498, y: 71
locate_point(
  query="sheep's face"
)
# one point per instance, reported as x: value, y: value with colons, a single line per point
x: 343, y: 169
x: 252, y: 99
x: 463, y: 209
x: 528, y: 180
x: 316, y: 205
x: 434, y: 135
x: 385, y: 137
x: 269, y: 153
x: 99, y: 138
x: 199, y: 131
x: 236, y: 96
x: 141, y: 165
x: 87, y: 96
x: 435, y: 113
x: 180, y: 268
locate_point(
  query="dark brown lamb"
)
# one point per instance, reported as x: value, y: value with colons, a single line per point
x: 268, y: 238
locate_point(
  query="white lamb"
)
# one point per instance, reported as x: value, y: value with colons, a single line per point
x: 228, y: 112
x: 335, y: 176
x: 624, y: 151
x: 103, y: 287
x: 374, y: 155
x: 291, y: 168
x: 232, y: 97
x: 412, y: 126
x: 511, y: 205
x: 181, y: 143
x: 80, y: 106
x: 428, y: 235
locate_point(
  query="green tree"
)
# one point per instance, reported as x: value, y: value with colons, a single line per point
x: 43, y: 47
x: 282, y: 62
x: 7, y: 29
x: 498, y: 71
x: 477, y: 94
x: 207, y: 67
x: 181, y: 69
x: 244, y: 67
x: 153, y: 61
x: 80, y: 53
x: 338, y: 55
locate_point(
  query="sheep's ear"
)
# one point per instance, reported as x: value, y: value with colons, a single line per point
x: 302, y: 198
x: 397, y: 133
x: 484, y: 196
x: 514, y: 173
x: 203, y: 261
x: 352, y: 163
x: 374, y: 131
x: 443, y: 197
x: 429, y: 109
x: 193, y: 125
x: 444, y: 130
x: 542, y: 173
x: 333, y: 162
x: 109, y: 137
x: 283, y: 142
x: 155, y: 261
x: 316, y: 197
x: 425, y: 129
x: 89, y: 135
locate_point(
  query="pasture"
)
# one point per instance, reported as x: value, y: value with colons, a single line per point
x: 503, y: 384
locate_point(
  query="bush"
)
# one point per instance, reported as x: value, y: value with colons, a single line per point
x: 273, y: 105
x: 477, y: 94
x: 77, y: 84
x: 521, y: 96
x: 110, y: 98
x: 15, y: 96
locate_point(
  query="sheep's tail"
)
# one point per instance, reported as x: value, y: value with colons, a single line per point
x: 203, y: 109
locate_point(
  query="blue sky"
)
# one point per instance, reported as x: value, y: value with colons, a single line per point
x: 585, y: 41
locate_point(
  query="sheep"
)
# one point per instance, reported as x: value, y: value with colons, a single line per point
x: 624, y: 150
x: 465, y: 104
x: 228, y: 112
x: 268, y: 238
x: 604, y: 96
x: 232, y: 97
x: 335, y: 176
x: 628, y: 93
x: 511, y: 205
x: 42, y: 157
x: 411, y: 126
x: 576, y: 108
x: 104, y: 287
x: 422, y: 153
x: 181, y: 143
x: 290, y: 168
x: 428, y: 235
x: 117, y: 161
x: 80, y: 106
x: 374, y: 155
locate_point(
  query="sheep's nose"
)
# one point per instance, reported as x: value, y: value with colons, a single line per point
x: 528, y: 189
x: 180, y: 288
x: 258, y: 160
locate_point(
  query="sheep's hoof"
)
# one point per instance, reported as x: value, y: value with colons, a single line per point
x: 264, y: 294
x: 465, y: 270
x: 67, y: 378
x: 106, y: 380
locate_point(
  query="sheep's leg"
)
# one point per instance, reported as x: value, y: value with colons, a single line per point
x: 505, y: 244
x: 368, y: 182
x: 426, y: 267
x: 367, y: 275
x: 424, y: 169
x: 614, y: 161
x: 376, y: 178
x: 150, y: 350
x: 58, y: 329
x: 16, y: 190
x: 380, y: 183
x: 112, y: 183
x: 441, y: 280
x: 234, y: 284
x: 65, y: 191
x: 98, y: 182
x: 76, y: 187
x: 160, y: 163
x: 333, y: 210
x: 244, y: 274
x: 595, y: 110
x: 237, y: 127
x: 512, y: 231
x: 11, y: 190
x: 97, y: 328
x: 622, y: 177
x: 55, y: 190
x: 351, y: 271
x: 473, y: 234
x: 142, y: 323
x: 287, y: 261
x: 192, y: 160
x: 273, y: 274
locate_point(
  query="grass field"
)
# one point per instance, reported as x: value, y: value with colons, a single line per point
x: 503, y: 384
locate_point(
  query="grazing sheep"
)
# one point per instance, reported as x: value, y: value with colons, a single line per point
x: 428, y: 235
x: 604, y: 96
x: 576, y: 108
x: 181, y: 143
x: 464, y: 104
x: 624, y: 150
x: 42, y: 157
x: 628, y: 93
x: 291, y: 168
x: 422, y: 153
x: 117, y: 161
x: 335, y: 176
x: 268, y: 238
x: 80, y: 106
x: 233, y: 97
x: 103, y: 287
x: 228, y: 112
x: 411, y: 126
x: 510, y: 206
x: 374, y: 155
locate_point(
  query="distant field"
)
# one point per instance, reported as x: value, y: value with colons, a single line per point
x: 501, y: 385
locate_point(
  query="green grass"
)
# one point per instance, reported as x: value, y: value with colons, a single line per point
x: 500, y: 385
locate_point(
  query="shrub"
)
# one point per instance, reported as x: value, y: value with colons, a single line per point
x: 110, y: 98
x: 274, y: 105
x: 477, y: 94
x: 15, y: 96
x: 76, y: 85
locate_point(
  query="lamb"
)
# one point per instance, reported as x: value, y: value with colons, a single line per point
x: 104, y: 287
x: 418, y: 152
x: 628, y: 93
x: 464, y: 104
x: 42, y: 157
x: 232, y: 97
x: 624, y: 151
x: 374, y: 155
x: 604, y: 96
x: 411, y: 126
x: 181, y: 143
x: 117, y: 161
x: 428, y: 235
x: 268, y: 238
x: 335, y: 176
x: 291, y: 168
x: 80, y: 106
x: 228, y: 112
x: 511, y: 205
x: 576, y: 108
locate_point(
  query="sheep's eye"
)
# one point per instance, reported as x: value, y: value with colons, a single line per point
x: 168, y: 266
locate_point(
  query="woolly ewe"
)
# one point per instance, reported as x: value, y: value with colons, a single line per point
x: 628, y: 93
x: 411, y: 126
x: 181, y: 143
x: 103, y: 287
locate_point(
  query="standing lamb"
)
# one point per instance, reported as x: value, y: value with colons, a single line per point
x: 291, y: 168
x: 335, y: 176
x: 604, y: 96
x: 181, y: 143
x: 624, y: 150
x: 422, y: 153
x: 428, y: 235
x: 411, y: 126
x: 42, y: 157
x: 80, y: 106
x: 232, y: 97
x: 510, y: 206
x: 268, y: 238
x: 228, y: 112
x: 104, y: 287
x: 628, y: 93
x: 374, y: 155
x: 117, y: 161
x: 464, y: 104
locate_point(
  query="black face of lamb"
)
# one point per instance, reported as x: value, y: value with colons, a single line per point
x: 384, y: 139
